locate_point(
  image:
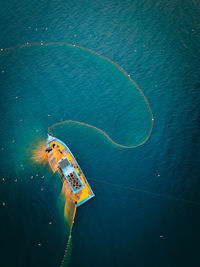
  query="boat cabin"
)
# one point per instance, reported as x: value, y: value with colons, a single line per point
x: 70, y: 175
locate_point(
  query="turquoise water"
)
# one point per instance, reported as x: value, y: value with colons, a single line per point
x: 158, y: 44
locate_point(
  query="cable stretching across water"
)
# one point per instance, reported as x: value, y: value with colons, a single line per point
x: 82, y: 123
x: 147, y: 192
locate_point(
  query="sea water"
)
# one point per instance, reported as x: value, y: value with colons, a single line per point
x: 157, y: 43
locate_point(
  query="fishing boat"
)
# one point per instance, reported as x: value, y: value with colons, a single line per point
x: 62, y: 160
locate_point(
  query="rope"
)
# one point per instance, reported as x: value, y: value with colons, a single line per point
x: 114, y: 64
x: 147, y: 192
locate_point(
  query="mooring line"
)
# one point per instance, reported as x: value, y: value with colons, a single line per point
x: 146, y: 192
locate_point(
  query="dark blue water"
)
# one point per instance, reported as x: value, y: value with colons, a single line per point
x: 158, y: 44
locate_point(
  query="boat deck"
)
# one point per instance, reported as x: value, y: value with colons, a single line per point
x: 60, y: 151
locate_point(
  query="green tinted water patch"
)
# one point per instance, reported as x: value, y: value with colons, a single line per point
x: 73, y: 83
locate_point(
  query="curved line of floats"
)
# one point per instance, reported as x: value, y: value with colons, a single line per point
x: 82, y: 123
x: 85, y: 124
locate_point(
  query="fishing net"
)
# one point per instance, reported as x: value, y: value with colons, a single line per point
x: 69, y: 85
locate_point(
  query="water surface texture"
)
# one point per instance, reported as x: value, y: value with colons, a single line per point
x: 157, y: 43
